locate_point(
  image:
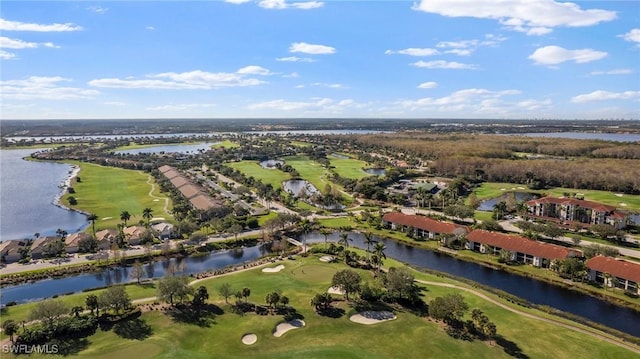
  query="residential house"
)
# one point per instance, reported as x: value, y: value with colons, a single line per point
x: 520, y: 249
x: 42, y: 245
x: 106, y: 238
x: 73, y: 241
x: 615, y: 273
x: 164, y: 230
x: 422, y: 227
x: 11, y: 251
x: 134, y: 234
x: 576, y: 211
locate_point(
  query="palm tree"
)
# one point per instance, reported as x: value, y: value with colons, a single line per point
x: 499, y: 209
x: 124, y: 217
x: 92, y: 218
x: 344, y: 239
x: 147, y: 214
x: 378, y: 250
x: 325, y: 232
x: 369, y: 240
x: 305, y: 227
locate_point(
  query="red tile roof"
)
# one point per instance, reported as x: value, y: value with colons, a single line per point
x: 618, y: 268
x: 572, y: 201
x: 165, y: 168
x: 521, y: 244
x: 422, y: 222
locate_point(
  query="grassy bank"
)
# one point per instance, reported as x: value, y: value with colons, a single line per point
x: 274, y: 176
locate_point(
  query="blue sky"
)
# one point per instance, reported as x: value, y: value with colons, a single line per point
x: 498, y: 59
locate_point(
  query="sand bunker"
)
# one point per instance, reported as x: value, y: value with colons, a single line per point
x: 273, y: 270
x: 249, y: 339
x: 372, y: 317
x: 327, y: 259
x: 287, y: 326
x: 335, y: 290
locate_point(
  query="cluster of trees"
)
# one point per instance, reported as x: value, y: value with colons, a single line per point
x: 451, y: 308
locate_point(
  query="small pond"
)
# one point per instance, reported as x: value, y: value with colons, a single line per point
x: 271, y: 164
x: 297, y: 187
x: 487, y: 205
x: 337, y: 155
x: 376, y: 171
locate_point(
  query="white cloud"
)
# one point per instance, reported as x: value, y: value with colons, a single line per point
x: 553, y: 55
x: 150, y: 28
x: 472, y: 99
x: 316, y: 105
x: 333, y: 86
x: 295, y: 59
x: 531, y: 105
x: 98, y: 9
x: 428, y: 85
x: 282, y: 4
x: 311, y: 49
x: 114, y: 103
x: 237, y: 2
x: 4, y: 55
x: 6, y: 25
x: 531, y: 17
x: 254, y: 70
x: 633, y: 35
x: 601, y: 95
x: 612, y: 72
x: 39, y: 87
x: 193, y: 80
x: 291, y: 75
x: 181, y: 107
x: 413, y: 51
x: 8, y: 43
x: 440, y: 64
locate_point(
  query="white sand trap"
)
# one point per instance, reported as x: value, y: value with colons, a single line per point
x: 503, y: 189
x: 335, y: 290
x: 619, y: 194
x: 287, y: 326
x: 105, y: 218
x: 274, y: 269
x: 156, y: 200
x: 372, y: 317
x: 520, y: 187
x: 623, y: 204
x: 157, y: 219
x: 249, y: 339
x: 327, y: 258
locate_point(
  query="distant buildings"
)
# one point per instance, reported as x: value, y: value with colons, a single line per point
x: 421, y: 226
x: 576, y: 211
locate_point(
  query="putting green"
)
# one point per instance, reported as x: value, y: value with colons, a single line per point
x: 314, y: 272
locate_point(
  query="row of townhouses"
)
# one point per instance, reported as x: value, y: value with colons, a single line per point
x: 610, y: 271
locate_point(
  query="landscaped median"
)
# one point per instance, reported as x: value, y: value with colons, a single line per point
x: 410, y: 335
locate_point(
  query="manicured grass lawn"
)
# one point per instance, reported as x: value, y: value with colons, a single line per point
x: 300, y: 143
x: 310, y: 170
x: 225, y: 144
x: 348, y: 167
x: 409, y: 336
x: 107, y: 191
x: 338, y: 222
x: 251, y: 168
x: 494, y: 189
x: 482, y: 215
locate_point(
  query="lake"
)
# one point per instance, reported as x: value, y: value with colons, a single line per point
x: 171, y: 148
x: 487, y: 205
x: 29, y: 190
